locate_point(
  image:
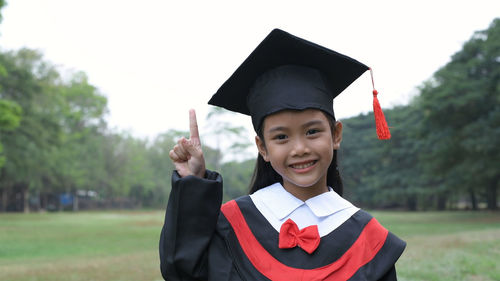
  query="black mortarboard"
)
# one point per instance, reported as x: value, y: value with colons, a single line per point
x: 287, y: 72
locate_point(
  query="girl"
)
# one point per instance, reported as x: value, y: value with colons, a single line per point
x: 294, y: 225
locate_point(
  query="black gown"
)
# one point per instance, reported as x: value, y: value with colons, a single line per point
x: 200, y: 242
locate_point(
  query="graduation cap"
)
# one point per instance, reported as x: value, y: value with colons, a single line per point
x: 288, y: 72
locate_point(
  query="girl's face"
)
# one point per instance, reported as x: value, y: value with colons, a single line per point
x: 299, y: 145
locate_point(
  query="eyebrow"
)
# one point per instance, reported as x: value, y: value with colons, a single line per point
x: 305, y: 125
x: 276, y: 129
x: 312, y: 122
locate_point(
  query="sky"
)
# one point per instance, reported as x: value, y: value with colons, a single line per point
x: 154, y: 60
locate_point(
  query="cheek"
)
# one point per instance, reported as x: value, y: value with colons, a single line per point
x: 323, y: 144
x: 277, y: 155
x: 327, y: 148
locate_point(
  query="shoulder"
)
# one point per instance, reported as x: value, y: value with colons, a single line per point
x: 237, y: 204
x: 234, y: 214
x: 362, y: 217
x: 391, y: 246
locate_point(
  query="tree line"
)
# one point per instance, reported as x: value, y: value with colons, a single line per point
x: 444, y: 149
x: 57, y: 151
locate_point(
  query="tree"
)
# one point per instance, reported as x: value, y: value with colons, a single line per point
x: 10, y: 112
x: 228, y: 138
x: 10, y: 116
x: 56, y: 118
x: 461, y: 106
x: 2, y: 4
x: 382, y: 174
x: 237, y: 177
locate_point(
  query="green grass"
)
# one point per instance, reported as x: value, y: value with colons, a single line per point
x: 447, y: 245
x: 123, y: 245
x: 80, y: 246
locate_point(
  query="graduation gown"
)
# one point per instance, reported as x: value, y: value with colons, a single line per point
x: 201, y: 240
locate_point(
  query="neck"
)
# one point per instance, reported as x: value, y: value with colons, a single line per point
x: 305, y: 193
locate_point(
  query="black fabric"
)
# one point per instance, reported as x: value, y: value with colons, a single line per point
x: 241, y: 263
x: 289, y: 87
x: 393, y: 247
x: 340, y: 239
x: 190, y: 220
x: 261, y: 74
x: 198, y: 243
x: 390, y: 275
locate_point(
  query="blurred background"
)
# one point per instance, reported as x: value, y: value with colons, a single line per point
x: 94, y: 94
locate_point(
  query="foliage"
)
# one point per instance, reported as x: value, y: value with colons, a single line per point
x: 442, y: 148
x: 237, y: 177
x: 2, y: 4
x: 10, y: 116
x: 228, y: 138
x: 382, y: 174
x: 461, y: 117
x: 54, y: 139
x: 56, y: 117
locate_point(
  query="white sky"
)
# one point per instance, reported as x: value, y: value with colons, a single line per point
x: 156, y: 59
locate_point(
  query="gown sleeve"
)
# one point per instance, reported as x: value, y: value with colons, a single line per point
x: 190, y: 220
x: 390, y: 275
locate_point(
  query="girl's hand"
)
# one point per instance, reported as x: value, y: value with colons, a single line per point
x: 187, y: 155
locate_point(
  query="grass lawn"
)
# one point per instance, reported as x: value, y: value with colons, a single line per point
x: 123, y: 245
x: 80, y: 246
x: 447, y: 245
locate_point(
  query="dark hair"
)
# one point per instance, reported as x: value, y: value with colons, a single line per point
x: 264, y: 174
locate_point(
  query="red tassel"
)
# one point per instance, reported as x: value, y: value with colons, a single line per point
x: 383, y: 132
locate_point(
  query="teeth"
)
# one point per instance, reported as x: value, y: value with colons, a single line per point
x: 303, y: 166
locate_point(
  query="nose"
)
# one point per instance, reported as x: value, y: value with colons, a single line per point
x: 300, y: 147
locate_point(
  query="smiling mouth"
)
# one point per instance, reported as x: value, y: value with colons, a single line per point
x: 303, y: 165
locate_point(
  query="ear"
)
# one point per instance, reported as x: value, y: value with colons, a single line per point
x: 337, y: 135
x: 262, y: 148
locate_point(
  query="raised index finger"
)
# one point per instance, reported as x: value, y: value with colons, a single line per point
x: 193, y: 127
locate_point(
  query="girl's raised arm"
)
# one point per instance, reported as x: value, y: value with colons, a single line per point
x: 192, y: 212
x: 187, y: 154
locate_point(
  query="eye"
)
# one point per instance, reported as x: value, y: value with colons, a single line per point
x: 312, y: 131
x: 280, y: 137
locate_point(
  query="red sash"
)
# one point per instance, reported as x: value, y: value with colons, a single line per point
x: 364, y: 249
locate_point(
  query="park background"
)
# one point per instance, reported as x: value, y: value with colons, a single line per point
x: 81, y: 193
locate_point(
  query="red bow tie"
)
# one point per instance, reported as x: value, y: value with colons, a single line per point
x: 306, y: 238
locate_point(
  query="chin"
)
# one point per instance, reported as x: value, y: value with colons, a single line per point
x: 304, y: 184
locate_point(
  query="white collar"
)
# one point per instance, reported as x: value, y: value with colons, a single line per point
x: 282, y: 203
